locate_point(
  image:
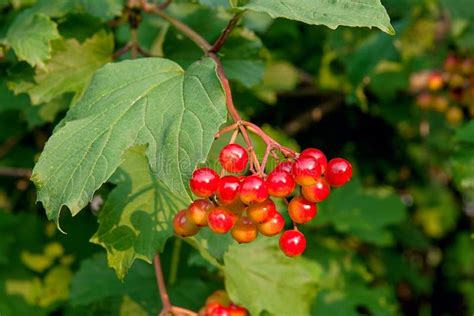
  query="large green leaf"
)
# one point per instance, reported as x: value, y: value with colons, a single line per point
x: 261, y: 278
x: 70, y: 68
x: 30, y: 36
x: 363, y: 213
x: 147, y: 101
x: 136, y: 219
x: 363, y: 13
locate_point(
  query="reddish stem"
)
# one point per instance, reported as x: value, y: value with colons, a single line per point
x: 225, y: 34
x: 165, y: 300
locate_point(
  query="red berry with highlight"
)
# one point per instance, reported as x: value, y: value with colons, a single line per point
x: 245, y: 230
x: 204, y: 182
x: 317, y: 192
x: 272, y: 226
x: 318, y: 155
x: 292, y: 243
x: 286, y: 166
x: 234, y: 158
x: 280, y: 183
x: 215, y: 309
x: 221, y: 220
x: 228, y: 190
x: 260, y: 212
x: 236, y: 310
x: 198, y: 211
x: 306, y: 170
x: 183, y: 226
x: 339, y: 172
x: 253, y: 189
x: 301, y: 210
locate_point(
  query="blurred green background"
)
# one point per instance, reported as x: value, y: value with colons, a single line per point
x: 398, y: 240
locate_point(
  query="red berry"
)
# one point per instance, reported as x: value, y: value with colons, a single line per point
x: 204, y: 182
x: 183, y: 226
x: 451, y: 64
x: 280, y: 183
x: 198, y: 211
x: 286, y: 166
x: 301, y: 210
x: 234, y: 158
x: 318, y: 155
x: 339, y: 172
x: 216, y: 309
x: 245, y: 230
x: 260, y: 212
x: 236, y: 310
x: 272, y: 226
x: 317, y: 192
x: 292, y: 243
x: 253, y: 190
x: 221, y: 220
x: 306, y: 170
x: 228, y: 190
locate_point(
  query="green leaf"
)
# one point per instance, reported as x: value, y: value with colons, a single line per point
x: 216, y: 3
x: 362, y: 13
x: 146, y: 101
x: 30, y: 36
x: 95, y: 282
x: 136, y: 219
x: 70, y: 68
x: 103, y: 9
x: 460, y: 9
x: 261, y: 278
x: 242, y: 57
x: 363, y: 213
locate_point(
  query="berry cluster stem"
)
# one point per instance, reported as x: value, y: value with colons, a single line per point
x: 211, y: 51
x: 168, y: 308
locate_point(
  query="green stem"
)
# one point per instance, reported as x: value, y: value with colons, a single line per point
x: 175, y: 256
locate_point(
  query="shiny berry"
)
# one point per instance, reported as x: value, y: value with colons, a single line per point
x: 306, y: 170
x: 253, y: 189
x: 339, y: 172
x: 301, y: 210
x: 215, y: 309
x: 198, y: 211
x: 260, y: 212
x: 280, y: 183
x: 318, y: 155
x: 221, y: 220
x: 234, y: 158
x: 272, y: 226
x: 204, y: 182
x: 183, y: 226
x: 317, y: 192
x: 286, y: 166
x: 292, y: 243
x: 228, y: 190
x: 245, y: 230
x: 236, y: 310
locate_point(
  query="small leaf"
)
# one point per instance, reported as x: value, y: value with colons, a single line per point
x: 145, y: 101
x: 30, y: 36
x: 258, y: 276
x: 362, y: 13
x: 136, y: 219
x: 70, y: 68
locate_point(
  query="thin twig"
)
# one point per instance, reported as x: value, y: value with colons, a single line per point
x: 225, y: 34
x: 15, y: 172
x: 165, y: 299
x: 122, y: 50
x: 164, y: 4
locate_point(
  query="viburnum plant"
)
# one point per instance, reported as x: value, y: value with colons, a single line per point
x: 146, y: 124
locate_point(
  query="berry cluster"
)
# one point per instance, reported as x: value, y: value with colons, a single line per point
x: 449, y: 91
x: 219, y: 304
x: 244, y: 205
